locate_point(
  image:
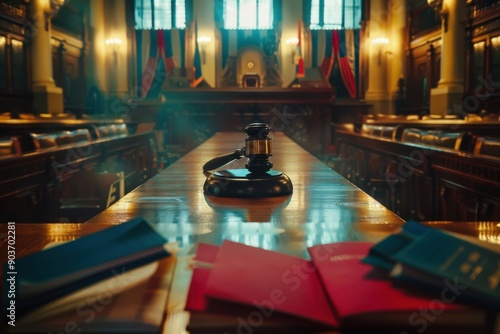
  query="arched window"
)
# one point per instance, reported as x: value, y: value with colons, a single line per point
x: 248, y: 14
x: 335, y: 14
x: 160, y: 14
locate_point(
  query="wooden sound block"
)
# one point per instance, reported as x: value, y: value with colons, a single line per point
x: 243, y: 184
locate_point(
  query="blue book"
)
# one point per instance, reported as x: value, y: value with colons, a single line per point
x: 441, y: 260
x: 465, y: 269
x: 55, y: 272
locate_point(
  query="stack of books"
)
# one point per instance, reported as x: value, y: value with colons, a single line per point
x: 420, y: 280
x: 108, y: 281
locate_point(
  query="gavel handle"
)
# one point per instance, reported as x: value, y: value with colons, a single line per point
x: 223, y: 160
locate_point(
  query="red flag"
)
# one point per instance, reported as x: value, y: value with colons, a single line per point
x: 300, y: 62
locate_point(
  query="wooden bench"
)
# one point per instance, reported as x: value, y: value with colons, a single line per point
x: 33, y: 183
x: 440, y: 180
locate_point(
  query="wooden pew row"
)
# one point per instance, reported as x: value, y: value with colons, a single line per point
x: 33, y: 184
x: 421, y: 180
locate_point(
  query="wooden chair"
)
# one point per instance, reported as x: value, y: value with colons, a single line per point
x: 453, y: 140
x: 44, y: 140
x: 473, y: 118
x: 90, y: 194
x: 367, y: 130
x: 487, y: 146
x: 10, y: 146
x: 390, y: 132
x: 412, y: 117
x: 431, y: 117
x: 411, y: 135
x: 430, y: 137
x: 71, y: 137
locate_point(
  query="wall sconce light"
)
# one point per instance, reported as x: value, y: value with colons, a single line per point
x: 114, y: 45
x: 293, y: 41
x: 438, y: 6
x: 495, y: 42
x: 479, y: 46
x: 203, y: 41
x: 51, y: 11
x: 380, y: 43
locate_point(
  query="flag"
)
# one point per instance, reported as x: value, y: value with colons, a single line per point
x: 300, y: 61
x: 322, y: 55
x: 165, y: 47
x: 344, y: 49
x: 197, y: 75
x: 161, y: 56
x: 149, y: 72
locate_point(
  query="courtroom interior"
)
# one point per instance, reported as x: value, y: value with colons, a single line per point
x: 379, y: 112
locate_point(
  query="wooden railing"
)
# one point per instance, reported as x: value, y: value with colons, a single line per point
x: 33, y: 182
x: 423, y: 175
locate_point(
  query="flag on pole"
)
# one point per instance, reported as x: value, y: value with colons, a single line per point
x: 197, y: 75
x: 344, y: 49
x: 300, y: 61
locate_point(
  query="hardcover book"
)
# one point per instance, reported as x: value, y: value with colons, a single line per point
x: 367, y: 297
x: 53, y: 273
x: 250, y: 286
x: 425, y: 255
x: 211, y: 315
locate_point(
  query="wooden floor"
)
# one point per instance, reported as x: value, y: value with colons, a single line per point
x: 323, y: 208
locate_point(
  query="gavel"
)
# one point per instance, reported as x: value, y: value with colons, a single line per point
x: 257, y: 149
x: 257, y: 180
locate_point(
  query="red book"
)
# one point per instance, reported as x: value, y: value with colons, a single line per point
x: 210, y: 315
x: 364, y: 296
x: 270, y: 282
x: 249, y: 287
x: 204, y: 259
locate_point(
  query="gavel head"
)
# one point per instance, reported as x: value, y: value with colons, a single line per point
x: 258, y: 148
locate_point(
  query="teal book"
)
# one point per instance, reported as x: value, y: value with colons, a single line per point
x: 55, y: 272
x: 423, y: 255
x: 464, y: 269
x: 381, y: 254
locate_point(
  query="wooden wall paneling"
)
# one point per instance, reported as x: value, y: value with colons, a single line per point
x: 15, y: 85
x: 418, y: 81
x: 68, y: 60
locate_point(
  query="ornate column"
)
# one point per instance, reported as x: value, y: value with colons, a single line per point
x: 48, y: 98
x: 447, y: 96
x: 377, y: 93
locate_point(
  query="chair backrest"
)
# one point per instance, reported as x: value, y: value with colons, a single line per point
x: 10, y: 146
x: 121, y: 129
x: 81, y: 135
x: 451, y: 140
x: 367, y: 130
x: 111, y: 130
x: 473, y: 118
x: 411, y: 135
x: 430, y: 137
x: 250, y: 60
x: 390, y: 132
x: 431, y: 117
x: 44, y: 140
x: 487, y: 146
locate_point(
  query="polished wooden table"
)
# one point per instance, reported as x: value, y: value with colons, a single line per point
x: 323, y: 208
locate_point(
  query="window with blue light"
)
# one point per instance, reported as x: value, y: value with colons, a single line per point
x: 160, y: 14
x: 248, y: 14
x: 335, y: 14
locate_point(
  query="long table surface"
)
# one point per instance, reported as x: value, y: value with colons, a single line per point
x: 323, y: 208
